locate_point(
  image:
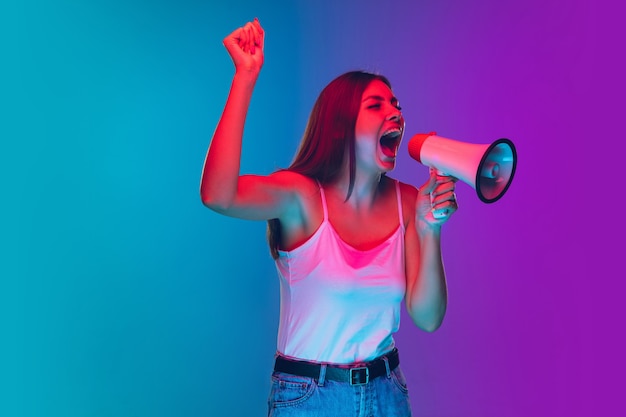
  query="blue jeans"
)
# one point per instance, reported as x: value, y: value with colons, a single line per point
x: 293, y: 395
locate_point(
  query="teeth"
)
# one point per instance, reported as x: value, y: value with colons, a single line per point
x: 395, y: 131
x: 389, y: 141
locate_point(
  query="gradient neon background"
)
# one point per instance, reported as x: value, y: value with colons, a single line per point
x: 120, y: 295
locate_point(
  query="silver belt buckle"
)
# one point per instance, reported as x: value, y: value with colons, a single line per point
x: 357, y: 378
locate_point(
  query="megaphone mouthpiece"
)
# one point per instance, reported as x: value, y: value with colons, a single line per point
x: 415, y: 145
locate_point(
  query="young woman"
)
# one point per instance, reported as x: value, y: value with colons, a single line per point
x: 349, y: 242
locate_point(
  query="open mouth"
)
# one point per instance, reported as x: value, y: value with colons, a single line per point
x: 390, y: 141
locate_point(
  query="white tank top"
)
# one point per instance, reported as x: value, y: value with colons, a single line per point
x: 339, y: 304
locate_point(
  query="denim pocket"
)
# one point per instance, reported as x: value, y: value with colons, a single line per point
x: 398, y: 378
x: 288, y: 390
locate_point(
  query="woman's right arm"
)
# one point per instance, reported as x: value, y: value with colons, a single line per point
x: 220, y: 174
x: 222, y: 188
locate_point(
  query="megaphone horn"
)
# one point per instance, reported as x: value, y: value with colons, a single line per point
x: 489, y: 169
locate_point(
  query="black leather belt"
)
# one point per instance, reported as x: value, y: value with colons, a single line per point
x: 357, y: 374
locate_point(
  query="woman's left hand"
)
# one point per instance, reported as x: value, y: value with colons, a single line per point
x: 436, y: 200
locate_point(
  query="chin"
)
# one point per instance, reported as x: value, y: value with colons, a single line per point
x: 387, y: 165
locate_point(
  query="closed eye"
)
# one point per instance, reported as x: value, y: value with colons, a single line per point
x: 377, y: 104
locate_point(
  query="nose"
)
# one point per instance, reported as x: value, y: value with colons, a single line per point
x: 395, y: 115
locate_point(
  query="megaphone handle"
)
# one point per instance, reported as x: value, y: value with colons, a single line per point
x: 440, y: 173
x: 437, y: 214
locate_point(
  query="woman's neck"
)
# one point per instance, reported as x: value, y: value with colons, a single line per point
x: 365, y: 190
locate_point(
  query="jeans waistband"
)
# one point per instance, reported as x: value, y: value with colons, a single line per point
x: 357, y: 374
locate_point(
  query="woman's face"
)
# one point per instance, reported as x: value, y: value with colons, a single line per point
x: 379, y: 128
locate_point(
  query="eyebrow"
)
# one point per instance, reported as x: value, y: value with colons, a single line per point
x: 380, y: 98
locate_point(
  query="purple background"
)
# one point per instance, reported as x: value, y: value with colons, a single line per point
x: 125, y: 296
x: 533, y: 325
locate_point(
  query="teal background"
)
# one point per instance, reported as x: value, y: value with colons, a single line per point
x: 121, y: 295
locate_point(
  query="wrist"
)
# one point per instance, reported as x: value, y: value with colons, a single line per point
x: 246, y: 76
x: 426, y: 229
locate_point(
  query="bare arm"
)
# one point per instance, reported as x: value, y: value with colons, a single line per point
x: 427, y: 292
x: 220, y: 174
x: 222, y: 188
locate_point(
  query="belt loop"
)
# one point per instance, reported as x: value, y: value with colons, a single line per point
x: 320, y: 381
x: 387, y: 366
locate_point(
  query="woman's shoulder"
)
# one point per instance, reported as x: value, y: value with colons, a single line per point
x: 408, y: 191
x: 303, y: 217
x: 305, y: 192
x: 297, y: 182
x: 408, y: 195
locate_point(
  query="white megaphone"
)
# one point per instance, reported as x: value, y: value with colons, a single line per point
x: 489, y: 169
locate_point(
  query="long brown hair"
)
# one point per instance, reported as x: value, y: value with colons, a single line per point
x: 329, y: 131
